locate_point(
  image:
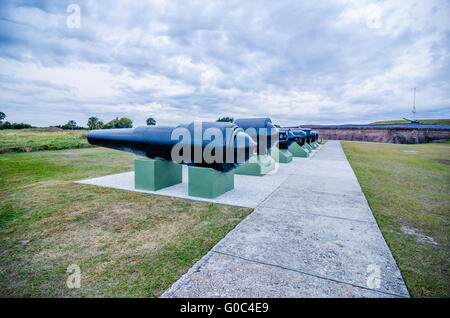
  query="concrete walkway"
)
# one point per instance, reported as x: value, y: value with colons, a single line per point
x: 314, y: 236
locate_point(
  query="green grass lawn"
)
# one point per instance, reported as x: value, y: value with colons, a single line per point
x: 409, y: 196
x: 126, y: 243
x: 445, y: 122
x: 35, y: 139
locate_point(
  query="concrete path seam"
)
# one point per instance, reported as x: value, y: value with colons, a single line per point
x: 318, y: 214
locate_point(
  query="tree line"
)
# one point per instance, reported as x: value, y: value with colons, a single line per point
x: 96, y: 123
x: 8, y: 125
x: 92, y: 123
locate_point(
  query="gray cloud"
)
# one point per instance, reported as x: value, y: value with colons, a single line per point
x: 295, y: 61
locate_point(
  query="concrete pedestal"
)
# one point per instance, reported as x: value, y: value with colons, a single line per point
x: 281, y: 156
x: 314, y: 145
x: 308, y: 146
x: 209, y: 183
x: 257, y: 166
x: 152, y: 175
x: 298, y: 151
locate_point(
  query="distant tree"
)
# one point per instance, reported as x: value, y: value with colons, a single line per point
x: 92, y: 123
x: 225, y: 119
x: 125, y: 123
x: 151, y: 121
x: 71, y: 124
x: 100, y: 124
x: 110, y: 125
x: 6, y: 125
x: 119, y: 123
x: 2, y: 116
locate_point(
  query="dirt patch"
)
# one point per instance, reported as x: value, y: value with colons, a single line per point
x: 422, y: 238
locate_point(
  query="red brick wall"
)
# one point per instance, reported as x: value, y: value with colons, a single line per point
x: 389, y: 135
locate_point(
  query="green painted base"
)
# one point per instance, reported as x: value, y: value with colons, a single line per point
x: 298, y: 151
x: 257, y: 166
x: 281, y: 156
x: 317, y: 144
x: 152, y: 175
x: 314, y: 145
x: 209, y: 183
x: 307, y: 146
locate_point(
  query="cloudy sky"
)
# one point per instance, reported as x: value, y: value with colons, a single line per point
x: 294, y: 61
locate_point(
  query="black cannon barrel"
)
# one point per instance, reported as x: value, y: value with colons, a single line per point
x: 300, y: 134
x: 190, y: 142
x: 286, y: 142
x: 315, y: 135
x: 262, y: 131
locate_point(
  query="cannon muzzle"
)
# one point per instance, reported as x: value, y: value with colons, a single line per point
x: 290, y: 138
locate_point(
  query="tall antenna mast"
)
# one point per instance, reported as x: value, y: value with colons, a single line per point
x: 414, y: 105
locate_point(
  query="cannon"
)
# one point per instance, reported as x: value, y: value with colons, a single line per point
x: 309, y: 138
x: 300, y: 136
x: 311, y: 135
x: 262, y: 131
x: 287, y: 137
x: 227, y: 143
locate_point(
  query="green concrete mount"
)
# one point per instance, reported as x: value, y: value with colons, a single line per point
x: 257, y: 166
x: 209, y: 183
x: 152, y: 175
x: 307, y: 146
x: 298, y: 151
x: 281, y: 156
x: 314, y: 145
x: 317, y: 144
